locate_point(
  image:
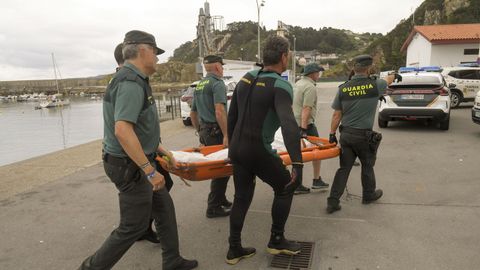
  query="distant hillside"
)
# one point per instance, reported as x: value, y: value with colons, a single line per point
x: 387, y: 48
x: 239, y: 41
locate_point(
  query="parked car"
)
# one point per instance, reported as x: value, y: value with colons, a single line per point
x: 476, y: 109
x: 419, y: 96
x: 464, y: 83
x: 187, y: 99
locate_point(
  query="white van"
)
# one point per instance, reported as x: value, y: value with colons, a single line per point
x: 464, y: 83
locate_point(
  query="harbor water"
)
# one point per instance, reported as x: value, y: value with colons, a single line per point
x: 26, y: 132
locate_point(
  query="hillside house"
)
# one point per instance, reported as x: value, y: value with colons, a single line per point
x: 442, y: 45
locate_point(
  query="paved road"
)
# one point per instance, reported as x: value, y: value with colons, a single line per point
x: 427, y: 219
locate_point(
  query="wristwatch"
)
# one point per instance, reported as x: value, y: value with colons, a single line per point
x: 151, y: 175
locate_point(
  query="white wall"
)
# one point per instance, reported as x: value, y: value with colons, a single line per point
x: 419, y: 52
x: 452, y: 54
x: 234, y: 68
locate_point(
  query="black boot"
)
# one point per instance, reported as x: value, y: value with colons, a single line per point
x: 186, y: 265
x: 236, y: 253
x: 218, y: 212
x: 279, y: 245
x: 333, y: 205
x: 372, y: 197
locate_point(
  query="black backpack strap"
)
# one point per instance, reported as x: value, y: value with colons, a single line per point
x: 126, y: 74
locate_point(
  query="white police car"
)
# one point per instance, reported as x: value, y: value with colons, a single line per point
x: 476, y: 109
x: 187, y: 98
x: 464, y: 83
x: 419, y: 96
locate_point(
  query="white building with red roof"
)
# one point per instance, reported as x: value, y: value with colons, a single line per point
x: 443, y: 45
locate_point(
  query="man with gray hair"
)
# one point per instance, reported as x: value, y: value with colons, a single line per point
x: 130, y: 145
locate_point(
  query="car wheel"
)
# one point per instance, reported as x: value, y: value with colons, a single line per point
x: 382, y: 123
x: 187, y: 122
x: 445, y: 124
x: 456, y: 99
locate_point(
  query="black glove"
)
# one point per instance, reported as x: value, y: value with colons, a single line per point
x: 382, y: 98
x: 332, y: 138
x: 297, y: 177
x: 303, y: 133
x: 398, y: 77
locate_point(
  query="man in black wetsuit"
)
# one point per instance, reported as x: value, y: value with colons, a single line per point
x: 261, y: 103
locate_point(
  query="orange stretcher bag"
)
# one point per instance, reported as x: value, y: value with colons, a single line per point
x: 206, y: 170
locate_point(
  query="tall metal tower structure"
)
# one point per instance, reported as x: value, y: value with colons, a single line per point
x: 206, y: 27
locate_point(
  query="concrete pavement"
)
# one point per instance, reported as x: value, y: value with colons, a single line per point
x: 427, y: 219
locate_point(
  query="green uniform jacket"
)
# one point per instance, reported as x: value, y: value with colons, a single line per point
x: 360, y: 103
x: 208, y: 92
x: 125, y: 101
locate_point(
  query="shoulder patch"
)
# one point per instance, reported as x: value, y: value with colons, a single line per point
x: 246, y: 80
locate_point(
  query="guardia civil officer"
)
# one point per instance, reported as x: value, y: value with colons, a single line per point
x: 149, y: 234
x: 209, y: 117
x: 131, y: 141
x: 261, y: 103
x: 305, y: 111
x: 355, y: 105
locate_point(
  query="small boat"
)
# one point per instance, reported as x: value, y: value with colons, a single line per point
x: 54, y: 102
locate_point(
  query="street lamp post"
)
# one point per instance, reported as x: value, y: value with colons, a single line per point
x: 259, y: 5
x: 294, y: 64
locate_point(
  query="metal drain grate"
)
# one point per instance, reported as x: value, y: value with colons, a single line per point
x: 296, y: 262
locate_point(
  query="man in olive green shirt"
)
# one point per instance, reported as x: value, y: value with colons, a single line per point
x: 305, y: 110
x: 209, y: 117
x: 355, y: 105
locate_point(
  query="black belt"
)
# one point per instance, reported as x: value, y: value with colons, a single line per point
x: 122, y: 161
x: 209, y: 125
x: 356, y: 131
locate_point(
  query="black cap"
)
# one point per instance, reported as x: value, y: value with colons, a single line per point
x: 140, y: 37
x: 363, y: 60
x: 210, y: 59
x: 118, y: 54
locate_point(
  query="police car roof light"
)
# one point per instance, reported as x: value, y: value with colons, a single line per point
x: 469, y: 65
x: 432, y: 69
x: 409, y: 69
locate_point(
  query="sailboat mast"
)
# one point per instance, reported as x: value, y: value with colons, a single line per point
x: 55, y: 72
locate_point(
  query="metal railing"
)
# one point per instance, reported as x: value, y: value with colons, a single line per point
x: 168, y: 106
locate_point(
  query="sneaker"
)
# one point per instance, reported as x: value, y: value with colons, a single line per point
x: 227, y: 204
x: 235, y: 254
x: 186, y: 265
x: 218, y: 212
x: 371, y: 198
x: 301, y: 190
x: 279, y: 245
x: 319, y: 184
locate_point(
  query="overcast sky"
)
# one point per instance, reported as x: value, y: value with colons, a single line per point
x: 83, y: 33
